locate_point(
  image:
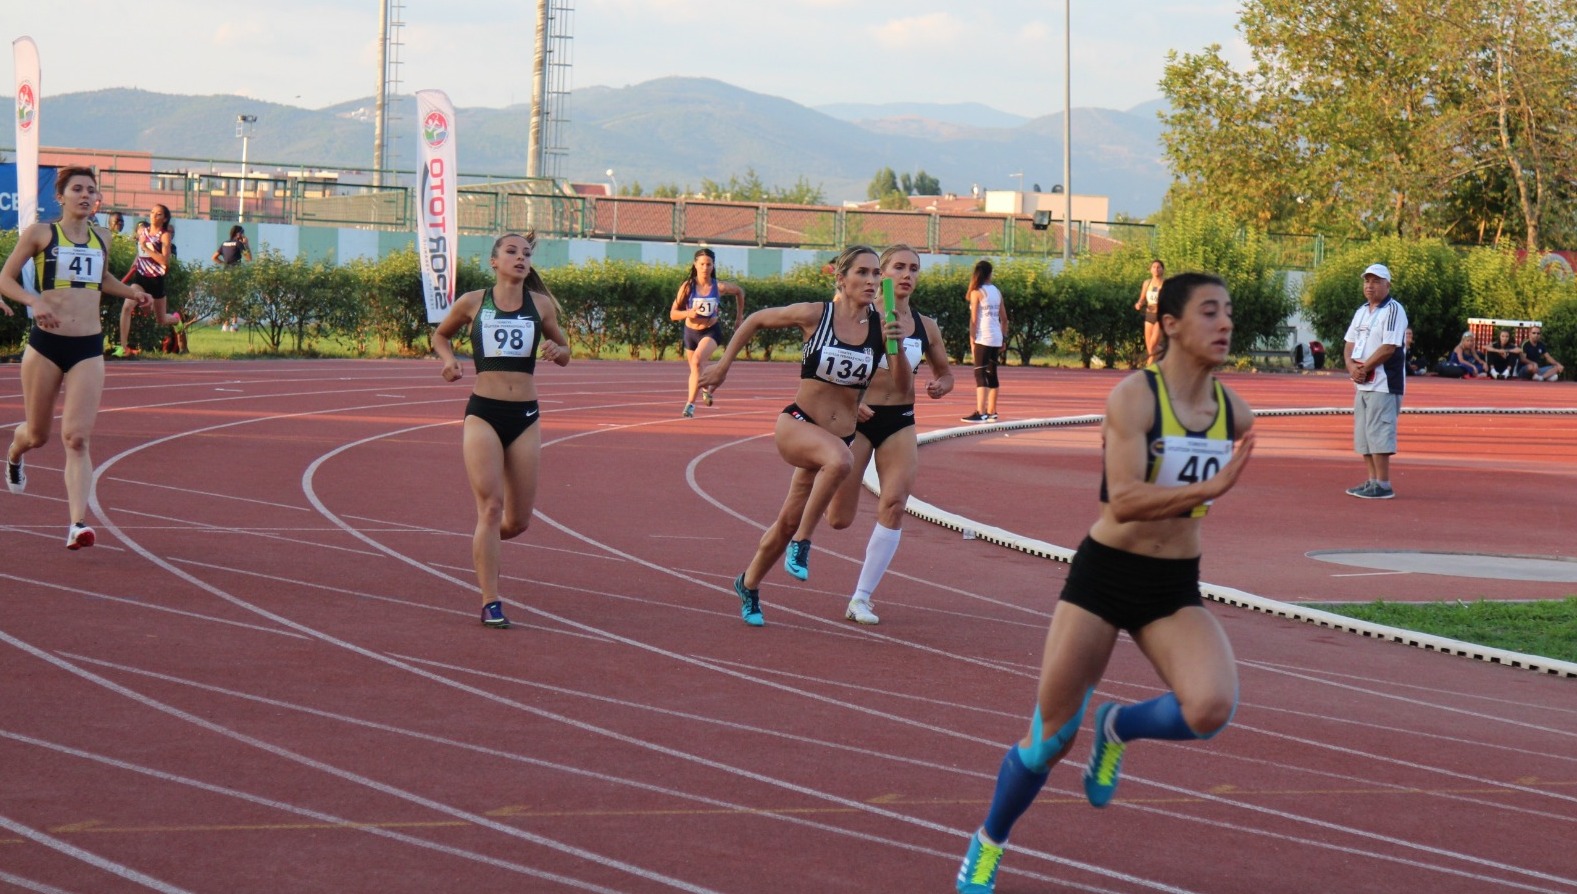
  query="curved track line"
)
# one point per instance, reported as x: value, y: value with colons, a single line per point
x: 1229, y: 595
x: 92, y: 859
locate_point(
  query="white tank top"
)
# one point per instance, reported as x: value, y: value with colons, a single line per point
x: 988, y: 323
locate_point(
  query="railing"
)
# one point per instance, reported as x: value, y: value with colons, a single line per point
x: 491, y: 204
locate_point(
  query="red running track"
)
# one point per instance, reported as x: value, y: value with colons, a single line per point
x: 268, y: 676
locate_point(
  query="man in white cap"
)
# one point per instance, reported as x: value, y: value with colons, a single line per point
x: 1377, y: 363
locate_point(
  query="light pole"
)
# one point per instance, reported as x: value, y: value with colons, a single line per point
x: 243, y: 129
x: 614, y: 194
x: 1067, y: 132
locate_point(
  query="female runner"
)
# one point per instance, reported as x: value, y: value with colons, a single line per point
x: 844, y: 338
x: 699, y: 306
x: 1148, y: 293
x: 155, y: 250
x: 501, y: 441
x: 65, y: 347
x: 1168, y: 452
x: 886, y: 429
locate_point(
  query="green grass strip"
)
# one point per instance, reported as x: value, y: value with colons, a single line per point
x: 1546, y: 628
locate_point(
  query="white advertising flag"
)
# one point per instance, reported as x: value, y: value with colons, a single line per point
x: 437, y: 230
x: 25, y: 56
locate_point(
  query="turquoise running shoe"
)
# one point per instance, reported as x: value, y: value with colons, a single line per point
x: 797, y: 560
x: 749, y: 602
x: 978, y: 874
x: 1106, y: 761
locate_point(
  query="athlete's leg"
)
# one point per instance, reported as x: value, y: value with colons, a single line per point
x: 127, y: 308
x: 693, y: 358
x: 1078, y: 646
x: 521, y: 460
x: 813, y: 448
x: 896, y: 463
x: 702, y: 359
x: 84, y: 387
x: 41, y: 381
x: 1194, y: 658
x: 484, y: 467
x: 845, y: 503
x: 777, y: 535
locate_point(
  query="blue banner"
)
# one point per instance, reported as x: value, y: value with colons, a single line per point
x: 48, y: 208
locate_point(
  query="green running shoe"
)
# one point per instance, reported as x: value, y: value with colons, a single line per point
x: 1106, y: 761
x: 978, y: 874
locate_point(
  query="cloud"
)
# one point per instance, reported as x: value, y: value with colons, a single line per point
x: 937, y: 29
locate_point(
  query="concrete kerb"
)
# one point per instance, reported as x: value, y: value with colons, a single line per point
x: 1228, y: 595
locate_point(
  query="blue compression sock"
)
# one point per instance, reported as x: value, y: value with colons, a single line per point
x: 1158, y: 718
x: 1017, y: 786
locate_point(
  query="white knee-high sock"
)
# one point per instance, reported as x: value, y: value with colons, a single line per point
x: 878, y: 555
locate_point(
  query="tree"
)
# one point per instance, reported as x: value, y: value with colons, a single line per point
x: 883, y: 183
x: 926, y: 185
x: 1372, y: 117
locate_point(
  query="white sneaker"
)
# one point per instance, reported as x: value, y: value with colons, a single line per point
x: 15, y: 478
x: 860, y: 612
x: 78, y: 536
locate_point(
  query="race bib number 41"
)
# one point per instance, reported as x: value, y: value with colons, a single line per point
x: 84, y: 265
x: 508, y: 338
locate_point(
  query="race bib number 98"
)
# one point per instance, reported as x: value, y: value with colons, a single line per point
x: 508, y: 338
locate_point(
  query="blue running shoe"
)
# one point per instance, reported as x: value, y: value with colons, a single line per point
x: 493, y: 616
x: 1106, y: 761
x: 978, y: 874
x: 797, y: 560
x: 749, y: 602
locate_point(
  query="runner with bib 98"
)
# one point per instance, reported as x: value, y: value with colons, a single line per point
x: 501, y: 440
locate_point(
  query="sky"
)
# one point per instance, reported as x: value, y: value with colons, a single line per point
x: 1006, y: 54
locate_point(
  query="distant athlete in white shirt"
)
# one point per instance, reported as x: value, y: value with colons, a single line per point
x: 1377, y: 362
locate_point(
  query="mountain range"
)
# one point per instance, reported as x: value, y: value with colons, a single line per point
x: 667, y: 131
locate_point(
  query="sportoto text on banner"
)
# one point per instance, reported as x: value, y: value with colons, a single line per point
x: 437, y: 229
x: 24, y: 54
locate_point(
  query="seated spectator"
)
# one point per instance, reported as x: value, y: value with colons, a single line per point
x: 1417, y: 364
x: 1538, y: 363
x: 1464, y: 357
x: 1505, y: 358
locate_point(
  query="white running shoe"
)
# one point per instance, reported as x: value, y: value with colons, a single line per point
x: 15, y: 478
x: 79, y: 536
x: 859, y: 612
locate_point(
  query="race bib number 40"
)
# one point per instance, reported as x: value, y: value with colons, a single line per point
x: 1186, y: 461
x: 508, y: 338
x: 842, y: 366
x: 84, y: 265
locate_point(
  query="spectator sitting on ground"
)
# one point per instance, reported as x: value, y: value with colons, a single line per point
x: 1538, y: 363
x: 1464, y: 361
x: 1505, y: 358
x: 1417, y: 364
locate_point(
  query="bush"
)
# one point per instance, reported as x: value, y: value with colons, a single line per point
x: 1426, y: 277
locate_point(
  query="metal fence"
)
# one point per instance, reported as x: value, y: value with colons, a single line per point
x: 490, y: 204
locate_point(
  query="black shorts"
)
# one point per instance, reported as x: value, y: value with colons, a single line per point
x: 65, y: 351
x: 153, y: 285
x: 1127, y: 590
x: 986, y: 358
x: 885, y: 421
x: 693, y: 336
x: 801, y: 415
x: 1151, y: 316
x: 509, y: 418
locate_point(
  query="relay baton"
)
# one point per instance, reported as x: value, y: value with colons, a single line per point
x: 887, y: 302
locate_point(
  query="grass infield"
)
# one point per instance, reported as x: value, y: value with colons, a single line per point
x: 1547, y: 628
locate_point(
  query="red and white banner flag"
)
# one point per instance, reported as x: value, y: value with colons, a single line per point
x: 25, y: 55
x: 437, y: 230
